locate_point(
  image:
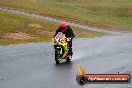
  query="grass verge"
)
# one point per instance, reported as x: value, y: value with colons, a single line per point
x: 15, y: 29
x: 113, y: 15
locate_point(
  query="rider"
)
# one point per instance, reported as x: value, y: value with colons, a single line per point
x: 65, y: 29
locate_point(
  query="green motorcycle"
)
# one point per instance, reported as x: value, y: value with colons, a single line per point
x: 61, y: 47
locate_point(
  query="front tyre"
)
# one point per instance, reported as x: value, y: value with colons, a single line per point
x: 57, y: 56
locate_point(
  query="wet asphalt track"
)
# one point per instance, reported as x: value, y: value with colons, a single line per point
x: 32, y: 65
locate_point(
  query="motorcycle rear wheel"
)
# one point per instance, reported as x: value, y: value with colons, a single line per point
x: 69, y: 58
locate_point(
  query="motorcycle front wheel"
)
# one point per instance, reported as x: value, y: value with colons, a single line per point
x: 57, y: 56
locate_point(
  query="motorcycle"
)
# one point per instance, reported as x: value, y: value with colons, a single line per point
x: 61, y: 46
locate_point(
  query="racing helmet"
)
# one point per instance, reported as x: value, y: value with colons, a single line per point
x: 63, y: 25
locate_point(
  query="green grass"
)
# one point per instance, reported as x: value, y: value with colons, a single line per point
x: 109, y: 14
x: 12, y: 23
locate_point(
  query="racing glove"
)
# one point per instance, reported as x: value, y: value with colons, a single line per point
x: 69, y: 39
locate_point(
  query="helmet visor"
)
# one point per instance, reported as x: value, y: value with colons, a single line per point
x: 63, y: 28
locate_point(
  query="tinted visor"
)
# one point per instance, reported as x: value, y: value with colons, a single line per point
x: 63, y: 28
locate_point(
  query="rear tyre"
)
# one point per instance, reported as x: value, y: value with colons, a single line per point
x: 69, y: 58
x: 56, y: 56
